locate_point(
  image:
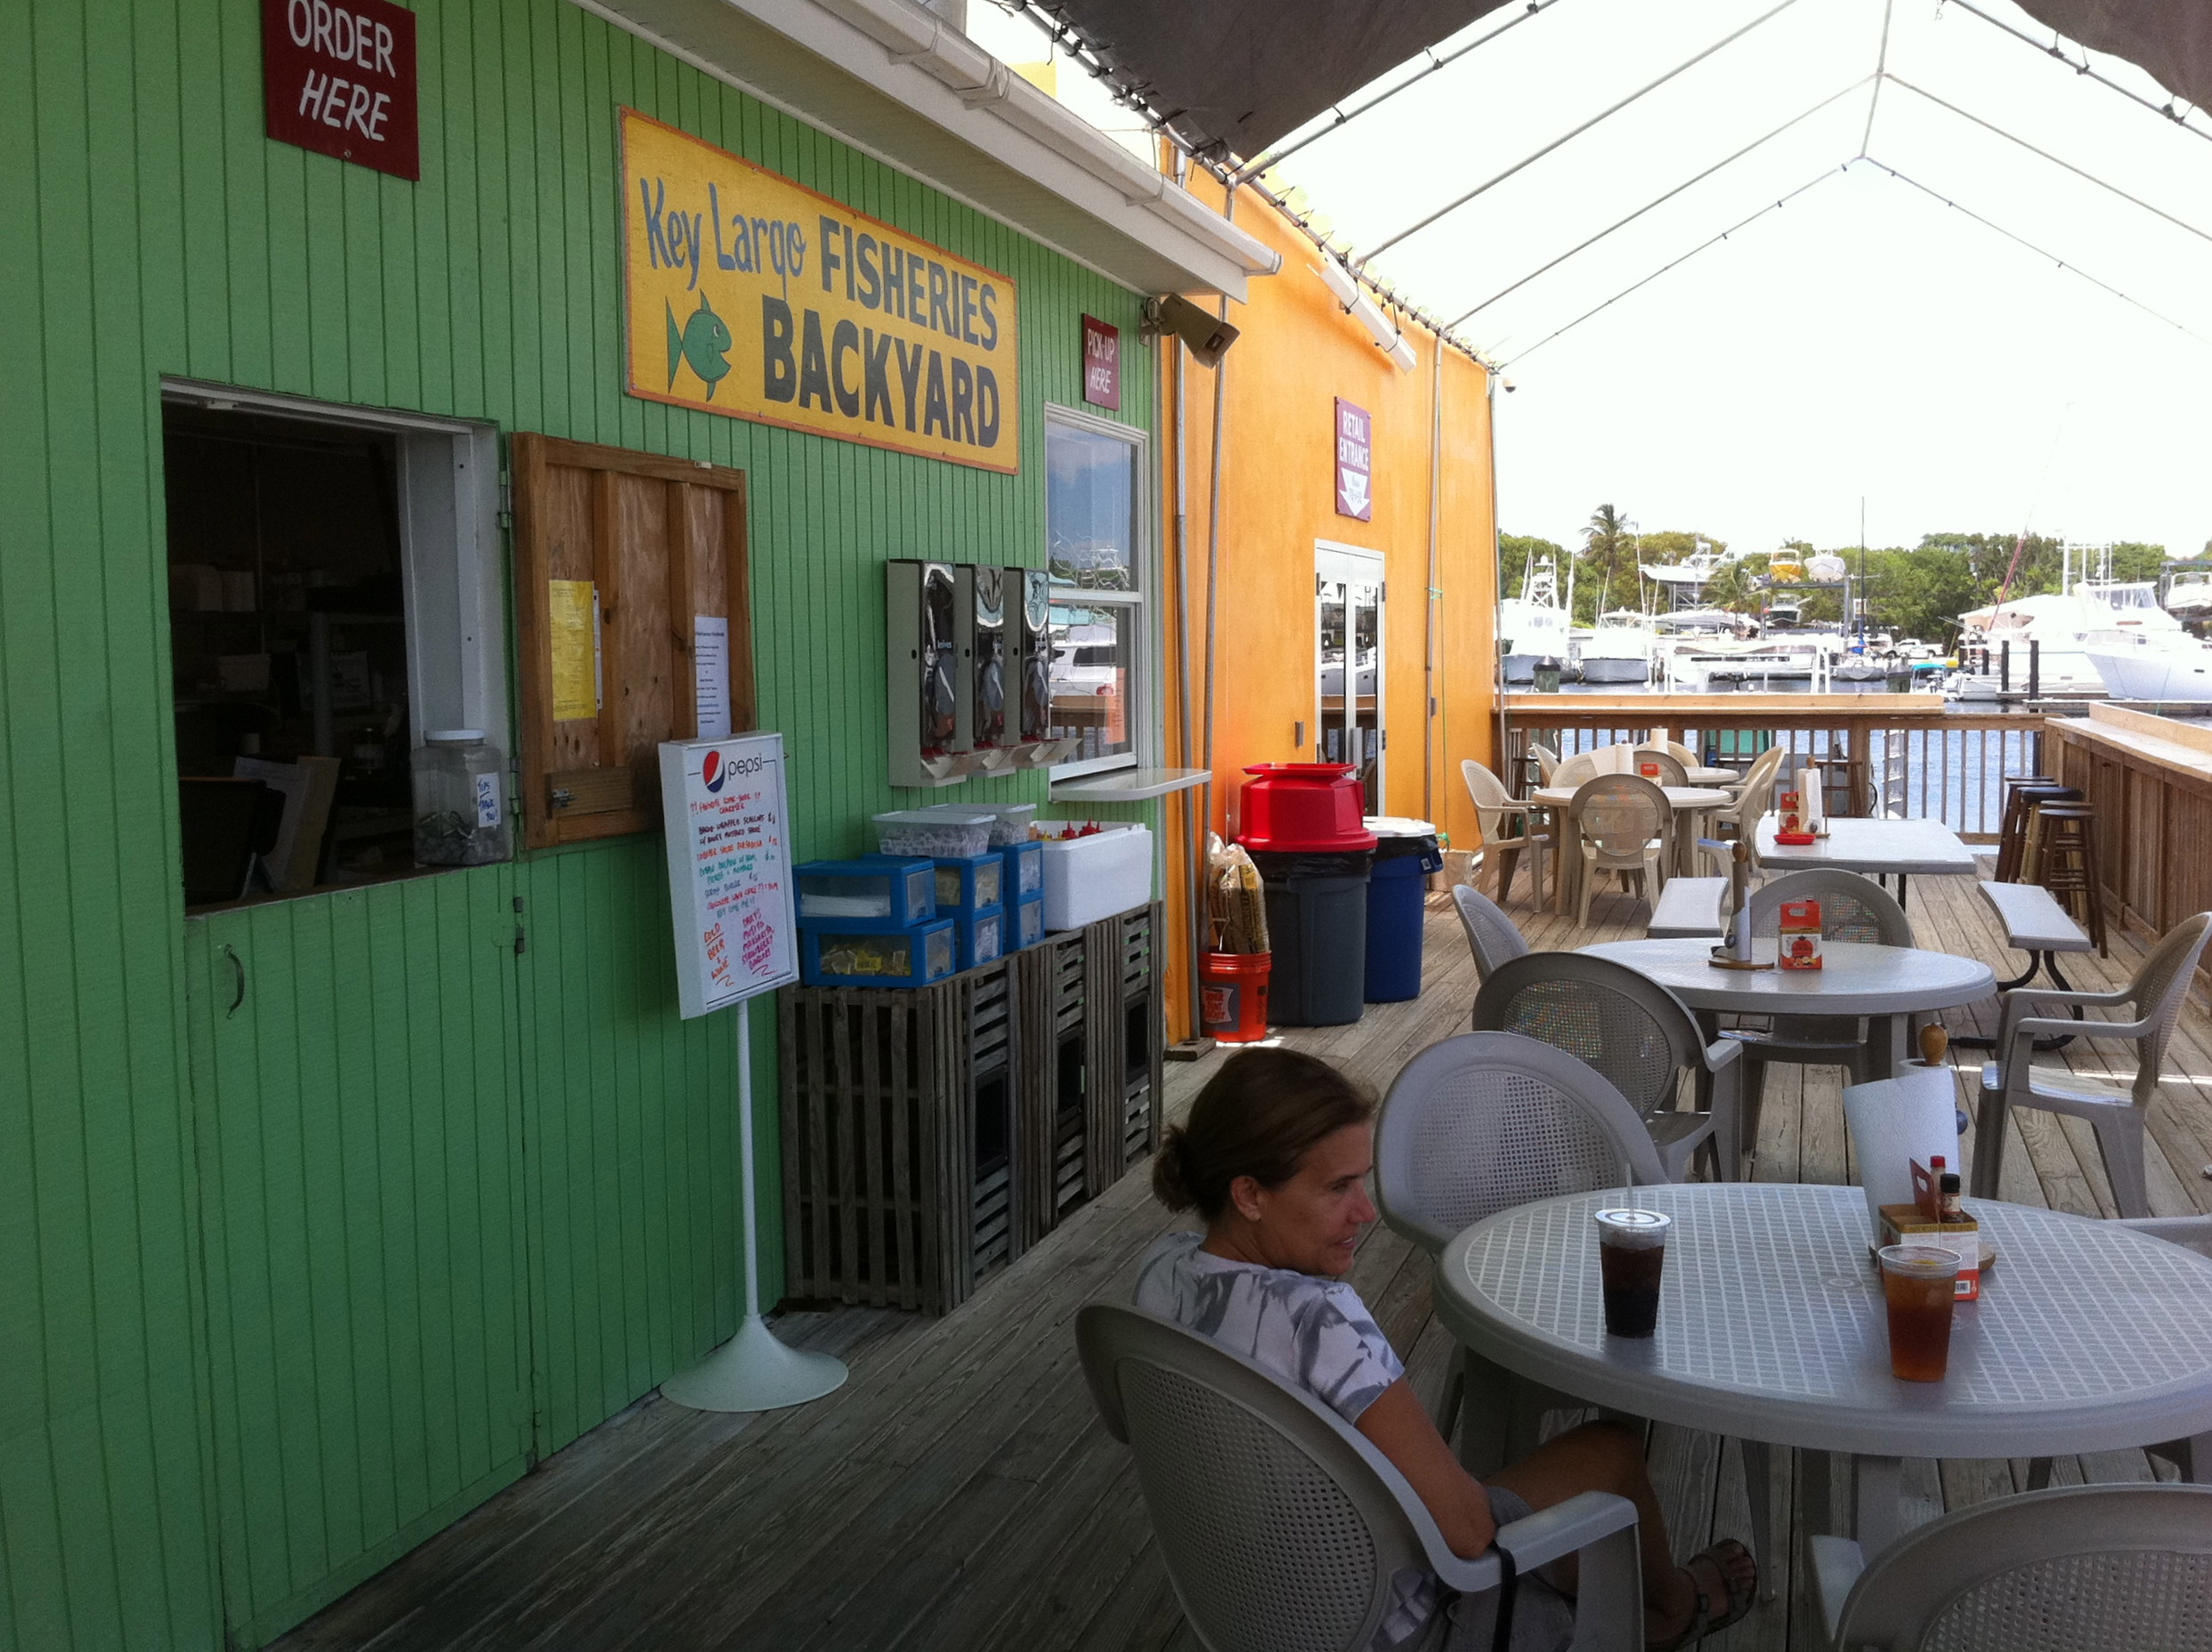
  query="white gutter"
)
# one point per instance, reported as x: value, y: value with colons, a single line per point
x: 895, y: 81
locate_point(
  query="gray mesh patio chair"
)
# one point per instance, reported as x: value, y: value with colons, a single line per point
x: 2085, y: 1568
x: 1283, y: 1529
x: 1506, y: 830
x: 1638, y: 1034
x: 1853, y: 908
x: 2114, y: 1110
x: 1493, y: 936
x: 1622, y: 824
x: 1476, y: 1124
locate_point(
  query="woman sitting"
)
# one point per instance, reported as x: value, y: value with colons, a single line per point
x: 1275, y: 1158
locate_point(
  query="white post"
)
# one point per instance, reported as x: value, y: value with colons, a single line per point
x: 752, y: 1371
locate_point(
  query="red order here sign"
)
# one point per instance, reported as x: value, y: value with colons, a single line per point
x: 338, y: 78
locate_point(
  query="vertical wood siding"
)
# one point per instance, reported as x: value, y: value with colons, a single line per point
x: 373, y: 1173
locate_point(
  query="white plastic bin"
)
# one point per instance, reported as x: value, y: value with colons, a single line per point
x: 1087, y: 879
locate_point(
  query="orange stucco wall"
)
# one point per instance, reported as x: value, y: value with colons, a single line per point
x: 1298, y: 352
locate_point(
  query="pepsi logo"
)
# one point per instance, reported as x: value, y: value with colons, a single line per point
x: 712, y: 771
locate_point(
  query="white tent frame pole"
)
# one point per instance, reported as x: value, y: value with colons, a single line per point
x: 2040, y: 252
x: 1660, y: 200
x: 1881, y: 68
x: 1685, y: 258
x: 1650, y: 87
x: 2167, y: 111
x: 1275, y: 157
x: 2087, y: 177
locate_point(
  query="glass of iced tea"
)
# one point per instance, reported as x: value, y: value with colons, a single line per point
x: 1918, y: 1282
x: 1631, y: 1254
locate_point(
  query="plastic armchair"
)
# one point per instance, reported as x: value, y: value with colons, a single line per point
x: 1853, y: 907
x: 2085, y: 1568
x: 1493, y: 937
x: 1622, y: 824
x: 1505, y: 829
x: 1547, y: 762
x: 1752, y: 798
x: 1636, y: 1033
x: 2115, y: 1112
x: 1573, y: 769
x: 1477, y: 1124
x: 1282, y: 1527
x: 1670, y: 766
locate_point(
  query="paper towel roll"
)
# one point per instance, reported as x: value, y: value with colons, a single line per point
x: 1896, y: 1121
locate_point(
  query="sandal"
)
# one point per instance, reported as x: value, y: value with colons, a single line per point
x: 1701, y: 1622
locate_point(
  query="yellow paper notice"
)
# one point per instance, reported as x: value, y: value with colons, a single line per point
x: 573, y: 605
x: 747, y: 293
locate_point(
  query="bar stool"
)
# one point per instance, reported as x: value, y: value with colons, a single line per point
x: 2020, y: 806
x: 2065, y: 863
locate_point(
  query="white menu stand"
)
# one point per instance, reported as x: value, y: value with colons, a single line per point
x: 753, y: 1370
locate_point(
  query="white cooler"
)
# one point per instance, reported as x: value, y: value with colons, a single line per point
x: 1087, y: 879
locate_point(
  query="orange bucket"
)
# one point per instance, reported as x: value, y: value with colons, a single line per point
x: 1233, y: 995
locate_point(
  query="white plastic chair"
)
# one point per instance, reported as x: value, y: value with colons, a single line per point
x: 1635, y: 1033
x: 1505, y: 829
x: 1492, y: 936
x: 1670, y: 766
x: 1547, y: 762
x: 2115, y: 1111
x: 2084, y: 1569
x: 1740, y: 819
x: 1282, y: 1528
x: 1573, y: 769
x: 1622, y: 824
x: 1853, y: 907
x: 1480, y: 1123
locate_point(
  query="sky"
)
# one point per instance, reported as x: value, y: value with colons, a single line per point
x: 1865, y: 341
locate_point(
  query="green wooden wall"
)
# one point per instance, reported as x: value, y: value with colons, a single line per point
x: 281, y: 1290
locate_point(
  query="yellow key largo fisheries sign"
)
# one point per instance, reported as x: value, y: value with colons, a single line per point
x: 746, y: 295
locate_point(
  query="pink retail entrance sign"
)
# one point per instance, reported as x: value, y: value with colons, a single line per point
x: 1355, y: 461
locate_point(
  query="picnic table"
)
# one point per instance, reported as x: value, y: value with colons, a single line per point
x: 1878, y: 847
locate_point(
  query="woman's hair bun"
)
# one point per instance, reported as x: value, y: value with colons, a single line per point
x: 1168, y: 1185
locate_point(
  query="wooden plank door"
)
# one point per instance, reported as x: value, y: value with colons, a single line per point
x: 618, y: 555
x: 357, y: 1122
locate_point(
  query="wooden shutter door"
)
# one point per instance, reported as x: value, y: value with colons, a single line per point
x: 652, y: 544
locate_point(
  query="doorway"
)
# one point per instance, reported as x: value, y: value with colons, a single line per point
x: 1349, y: 594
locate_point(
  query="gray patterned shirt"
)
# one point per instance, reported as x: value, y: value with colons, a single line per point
x: 1315, y: 1334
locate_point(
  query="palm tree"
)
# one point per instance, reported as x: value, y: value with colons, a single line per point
x: 1609, y: 549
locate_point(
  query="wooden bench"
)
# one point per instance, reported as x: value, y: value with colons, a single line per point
x: 1687, y: 908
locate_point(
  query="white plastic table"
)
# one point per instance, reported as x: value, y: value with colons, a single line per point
x: 1883, y: 983
x: 2089, y: 1336
x: 1697, y: 774
x: 1880, y: 848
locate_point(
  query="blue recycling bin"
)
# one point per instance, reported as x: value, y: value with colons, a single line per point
x: 1406, y: 853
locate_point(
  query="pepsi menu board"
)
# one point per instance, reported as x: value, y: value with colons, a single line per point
x: 729, y: 869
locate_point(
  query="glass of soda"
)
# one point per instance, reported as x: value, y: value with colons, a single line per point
x: 1631, y: 1254
x: 1918, y: 1282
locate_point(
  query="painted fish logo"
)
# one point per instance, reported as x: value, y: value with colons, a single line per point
x: 703, y: 342
x: 711, y: 771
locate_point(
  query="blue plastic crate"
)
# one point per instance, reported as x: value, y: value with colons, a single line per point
x: 974, y: 884
x: 982, y: 937
x: 1026, y: 922
x: 876, y: 894
x: 1024, y: 870
x: 912, y: 957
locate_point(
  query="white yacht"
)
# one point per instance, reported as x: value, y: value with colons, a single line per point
x: 1684, y: 582
x: 1533, y: 626
x: 2088, y: 636
x: 1619, y: 649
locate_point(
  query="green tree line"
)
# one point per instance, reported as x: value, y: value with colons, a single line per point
x: 1911, y: 590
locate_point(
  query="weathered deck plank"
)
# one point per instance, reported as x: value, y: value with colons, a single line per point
x: 959, y: 1492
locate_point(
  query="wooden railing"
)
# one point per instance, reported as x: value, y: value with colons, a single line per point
x: 2150, y: 779
x: 1892, y: 754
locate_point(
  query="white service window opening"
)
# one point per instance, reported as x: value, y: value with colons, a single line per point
x: 336, y: 592
x: 1097, y: 558
x: 1348, y: 663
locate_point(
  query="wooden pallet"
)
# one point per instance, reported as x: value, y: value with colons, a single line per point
x: 932, y: 1136
x: 1054, y: 1030
x: 887, y: 1096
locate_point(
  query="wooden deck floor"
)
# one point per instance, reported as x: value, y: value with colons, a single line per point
x: 958, y: 1492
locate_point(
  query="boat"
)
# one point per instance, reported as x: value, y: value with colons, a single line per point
x: 2188, y: 595
x: 2176, y: 675
x: 1684, y: 582
x: 1533, y: 626
x: 2119, y: 619
x: 1618, y: 649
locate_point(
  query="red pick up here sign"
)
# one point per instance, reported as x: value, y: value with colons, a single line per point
x: 338, y: 77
